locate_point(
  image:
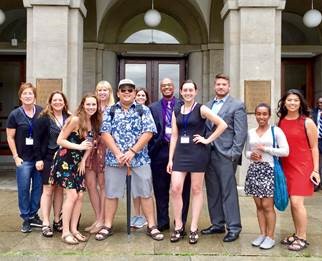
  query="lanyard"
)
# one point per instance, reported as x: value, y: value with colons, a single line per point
x: 27, y: 118
x: 60, y: 126
x: 185, y: 118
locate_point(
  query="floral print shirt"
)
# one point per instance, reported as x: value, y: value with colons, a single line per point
x: 126, y: 128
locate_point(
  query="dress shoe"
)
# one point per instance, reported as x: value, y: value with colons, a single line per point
x: 164, y: 227
x: 231, y: 236
x: 212, y: 230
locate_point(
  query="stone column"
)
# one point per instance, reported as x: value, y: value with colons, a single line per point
x: 252, y: 48
x: 252, y: 42
x: 55, y: 43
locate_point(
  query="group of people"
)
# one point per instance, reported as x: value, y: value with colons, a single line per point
x: 169, y: 147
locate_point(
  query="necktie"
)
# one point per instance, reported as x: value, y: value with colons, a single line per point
x: 320, y: 126
x: 216, y: 106
x: 168, y: 116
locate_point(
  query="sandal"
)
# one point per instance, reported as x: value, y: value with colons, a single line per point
x: 298, y: 244
x: 288, y: 240
x: 80, y: 237
x: 177, y: 235
x: 70, y: 239
x: 89, y: 228
x: 193, y: 237
x: 58, y: 226
x: 95, y: 228
x: 47, y: 231
x: 154, y: 233
x: 104, y: 233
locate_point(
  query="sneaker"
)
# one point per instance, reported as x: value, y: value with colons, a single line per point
x: 140, y: 222
x: 258, y: 241
x: 25, y: 227
x: 268, y: 243
x: 133, y: 220
x: 35, y: 221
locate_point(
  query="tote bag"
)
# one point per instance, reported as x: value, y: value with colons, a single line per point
x: 280, y: 185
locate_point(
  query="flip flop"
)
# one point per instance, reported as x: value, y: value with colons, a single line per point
x: 70, y: 239
x: 80, y: 237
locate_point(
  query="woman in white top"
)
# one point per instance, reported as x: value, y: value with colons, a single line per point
x: 260, y: 175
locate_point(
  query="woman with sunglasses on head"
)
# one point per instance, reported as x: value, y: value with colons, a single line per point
x: 47, y: 128
x: 69, y: 163
x: 301, y: 167
x: 260, y: 174
x: 95, y: 163
x: 188, y: 153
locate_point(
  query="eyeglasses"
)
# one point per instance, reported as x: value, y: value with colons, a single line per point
x: 166, y: 85
x: 126, y: 90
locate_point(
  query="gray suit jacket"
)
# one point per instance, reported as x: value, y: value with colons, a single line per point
x: 231, y: 142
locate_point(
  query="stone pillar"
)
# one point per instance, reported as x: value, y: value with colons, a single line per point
x: 252, y: 43
x: 55, y: 43
x: 195, y: 73
x: 110, y: 68
x: 252, y: 48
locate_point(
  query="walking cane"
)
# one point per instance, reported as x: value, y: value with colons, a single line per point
x: 128, y: 200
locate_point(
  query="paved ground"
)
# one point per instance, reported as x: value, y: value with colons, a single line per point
x: 15, y: 245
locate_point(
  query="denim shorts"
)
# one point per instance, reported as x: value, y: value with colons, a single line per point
x: 141, y: 181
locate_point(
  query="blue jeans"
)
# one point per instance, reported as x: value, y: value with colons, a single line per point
x: 29, y: 201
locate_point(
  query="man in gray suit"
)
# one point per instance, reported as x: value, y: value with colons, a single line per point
x: 226, y: 153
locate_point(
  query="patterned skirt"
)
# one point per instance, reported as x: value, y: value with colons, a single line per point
x: 260, y: 180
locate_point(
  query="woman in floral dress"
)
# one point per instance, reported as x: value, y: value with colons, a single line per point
x: 69, y: 164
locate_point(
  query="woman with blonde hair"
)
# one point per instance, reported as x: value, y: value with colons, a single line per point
x: 69, y: 163
x: 95, y: 163
x: 47, y: 128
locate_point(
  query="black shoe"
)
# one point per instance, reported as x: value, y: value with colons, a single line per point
x: 164, y: 227
x: 177, y: 235
x: 35, y: 221
x: 212, y: 230
x: 231, y: 236
x: 25, y: 227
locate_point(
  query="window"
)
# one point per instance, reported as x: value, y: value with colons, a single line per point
x: 151, y: 36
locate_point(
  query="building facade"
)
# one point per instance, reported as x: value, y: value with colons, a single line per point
x: 262, y: 44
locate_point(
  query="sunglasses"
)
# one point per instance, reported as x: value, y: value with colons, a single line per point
x: 126, y: 90
x: 166, y: 85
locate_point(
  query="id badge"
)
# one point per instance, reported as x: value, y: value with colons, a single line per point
x: 168, y: 130
x: 29, y: 141
x: 184, y: 139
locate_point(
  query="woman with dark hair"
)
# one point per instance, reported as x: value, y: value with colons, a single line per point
x: 260, y: 174
x: 20, y: 137
x: 188, y: 153
x: 142, y: 96
x: 69, y: 163
x: 301, y: 167
x: 47, y: 128
x: 138, y: 220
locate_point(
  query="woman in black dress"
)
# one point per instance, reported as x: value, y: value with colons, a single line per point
x: 47, y: 128
x: 189, y: 153
x: 69, y: 163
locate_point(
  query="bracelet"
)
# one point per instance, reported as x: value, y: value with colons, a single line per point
x: 316, y: 172
x: 15, y: 156
x: 131, y: 149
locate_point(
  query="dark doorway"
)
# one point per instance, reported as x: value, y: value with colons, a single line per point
x: 148, y: 72
x: 12, y: 73
x: 298, y: 74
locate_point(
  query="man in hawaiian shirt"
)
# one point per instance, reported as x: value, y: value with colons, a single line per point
x: 126, y: 130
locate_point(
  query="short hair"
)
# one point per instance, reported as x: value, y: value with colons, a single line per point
x: 222, y: 76
x: 24, y: 86
x: 189, y: 81
x: 265, y: 105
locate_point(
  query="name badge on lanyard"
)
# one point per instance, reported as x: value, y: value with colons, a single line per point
x: 168, y: 130
x: 29, y: 141
x: 185, y: 139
